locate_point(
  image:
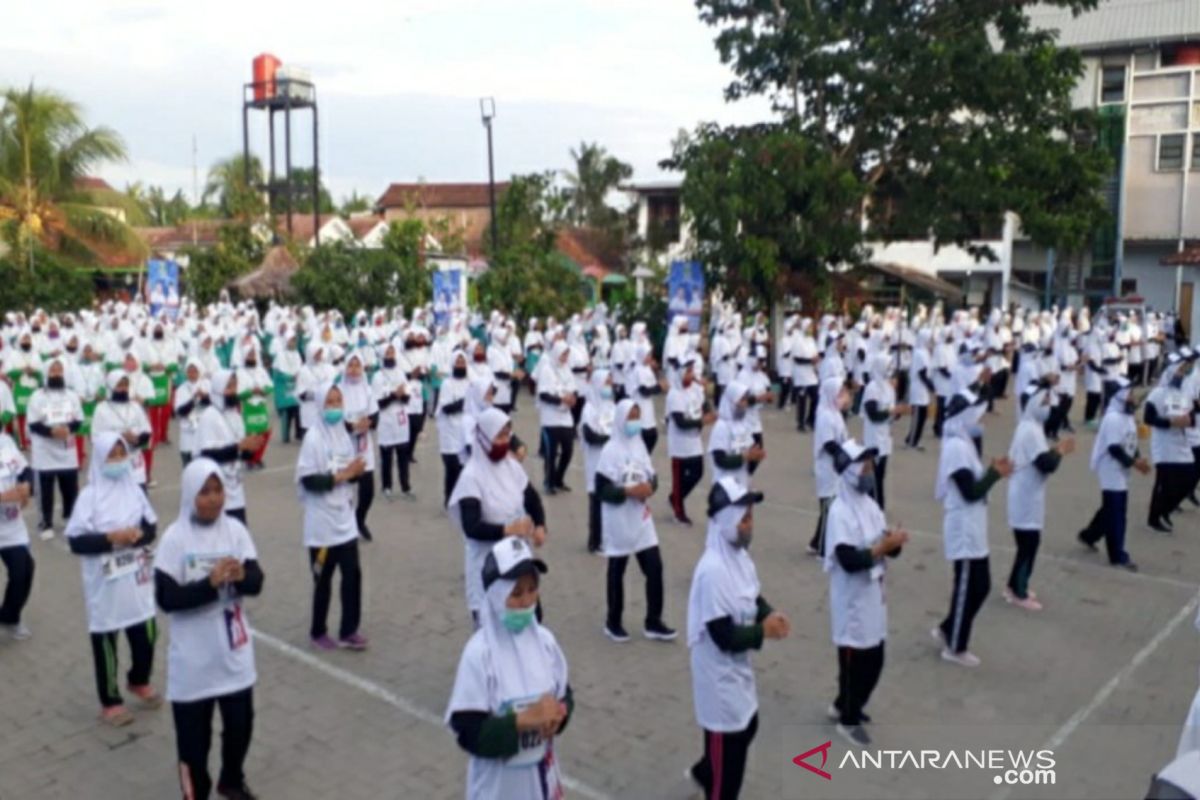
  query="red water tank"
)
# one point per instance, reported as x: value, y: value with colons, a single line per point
x: 1187, y: 55
x: 265, y: 66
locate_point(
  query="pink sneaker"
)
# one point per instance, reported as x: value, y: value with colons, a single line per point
x: 1028, y: 603
x: 323, y: 642
x: 355, y: 641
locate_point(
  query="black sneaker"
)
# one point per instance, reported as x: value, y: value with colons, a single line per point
x: 365, y: 533
x: 1159, y: 526
x: 236, y: 792
x: 562, y: 487
x: 1089, y: 545
x: 1129, y: 565
x: 856, y: 735
x: 659, y: 632
x: 616, y: 632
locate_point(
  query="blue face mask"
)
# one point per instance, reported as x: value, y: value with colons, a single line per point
x: 115, y: 470
x: 333, y: 416
x: 606, y: 392
x: 518, y: 619
x: 633, y: 427
x: 865, y: 484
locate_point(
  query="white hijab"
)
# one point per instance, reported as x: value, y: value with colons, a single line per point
x: 498, y: 485
x: 623, y: 450
x: 111, y: 503
x: 1029, y: 438
x: 869, y: 519
x: 732, y: 569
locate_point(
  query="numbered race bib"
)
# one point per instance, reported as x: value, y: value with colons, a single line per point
x: 196, y: 566
x: 742, y: 442
x: 255, y: 416
x: 139, y: 563
x: 532, y: 746
x: 633, y: 474
x: 9, y: 470
x: 58, y: 413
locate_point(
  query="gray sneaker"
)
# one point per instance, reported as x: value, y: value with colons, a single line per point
x: 18, y: 632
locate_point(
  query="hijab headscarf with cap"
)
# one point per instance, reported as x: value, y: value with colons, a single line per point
x: 500, y: 669
x: 108, y: 504
x: 868, y: 519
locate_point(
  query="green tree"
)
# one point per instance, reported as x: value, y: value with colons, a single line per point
x: 355, y: 204
x: 55, y: 285
x: 302, y: 194
x: 227, y: 189
x: 527, y: 276
x: 342, y: 276
x: 237, y: 252
x: 45, y: 149
x: 404, y: 243
x: 595, y: 176
x: 927, y: 117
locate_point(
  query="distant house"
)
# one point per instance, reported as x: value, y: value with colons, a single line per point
x: 466, y: 206
x: 369, y: 230
x: 332, y: 229
x: 106, y: 198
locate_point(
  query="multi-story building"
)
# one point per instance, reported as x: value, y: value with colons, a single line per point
x: 1142, y: 75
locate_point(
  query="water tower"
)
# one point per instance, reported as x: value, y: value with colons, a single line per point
x: 277, y: 88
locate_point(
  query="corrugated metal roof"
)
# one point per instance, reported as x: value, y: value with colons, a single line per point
x: 1122, y: 22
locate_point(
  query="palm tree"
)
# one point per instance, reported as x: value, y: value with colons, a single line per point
x: 45, y: 149
x: 596, y: 174
x: 228, y: 186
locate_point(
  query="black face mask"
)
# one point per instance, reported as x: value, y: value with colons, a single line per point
x: 460, y: 372
x: 36, y: 329
x: 55, y: 382
x: 158, y: 336
x: 26, y: 346
x: 232, y: 402
x: 1130, y: 407
x: 72, y: 350
x: 119, y: 396
x: 251, y: 365
x: 389, y: 363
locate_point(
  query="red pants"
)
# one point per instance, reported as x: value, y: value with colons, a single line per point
x: 81, y: 448
x: 160, y: 422
x: 22, y: 437
x: 259, y: 454
x: 148, y: 459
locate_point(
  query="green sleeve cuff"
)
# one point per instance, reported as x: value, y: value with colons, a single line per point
x: 498, y: 737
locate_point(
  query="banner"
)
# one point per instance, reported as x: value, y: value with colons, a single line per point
x: 162, y: 287
x: 685, y: 293
x: 449, y: 294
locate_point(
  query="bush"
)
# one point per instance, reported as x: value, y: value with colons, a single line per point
x: 52, y: 284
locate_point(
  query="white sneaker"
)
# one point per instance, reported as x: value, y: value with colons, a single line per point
x: 46, y: 534
x: 18, y: 632
x: 409, y: 496
x: 152, y: 485
x: 936, y: 634
x: 387, y: 495
x: 963, y: 659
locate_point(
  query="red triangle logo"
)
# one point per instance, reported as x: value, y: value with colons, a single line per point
x: 823, y: 749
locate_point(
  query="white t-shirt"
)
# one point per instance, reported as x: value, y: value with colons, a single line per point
x: 220, y: 429
x: 689, y: 402
x: 964, y: 524
x: 628, y: 527
x: 212, y: 649
x: 733, y: 438
x: 879, y: 434
x: 857, y: 600
x: 54, y: 407
x: 1120, y: 429
x: 118, y: 586
x: 830, y: 427
x: 117, y: 418
x: 328, y: 516
x: 13, y: 532
x: 724, y: 693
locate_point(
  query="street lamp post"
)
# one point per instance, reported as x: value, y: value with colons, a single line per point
x: 487, y: 110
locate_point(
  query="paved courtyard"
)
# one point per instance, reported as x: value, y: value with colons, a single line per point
x: 1103, y: 677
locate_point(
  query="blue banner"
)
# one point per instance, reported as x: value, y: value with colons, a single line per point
x: 447, y: 294
x: 162, y: 287
x: 685, y: 293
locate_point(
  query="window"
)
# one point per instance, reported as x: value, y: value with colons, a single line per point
x: 1112, y: 84
x: 1196, y: 151
x: 1170, y: 152
x: 663, y: 218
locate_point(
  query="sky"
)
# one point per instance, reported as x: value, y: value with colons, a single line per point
x: 398, y: 81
